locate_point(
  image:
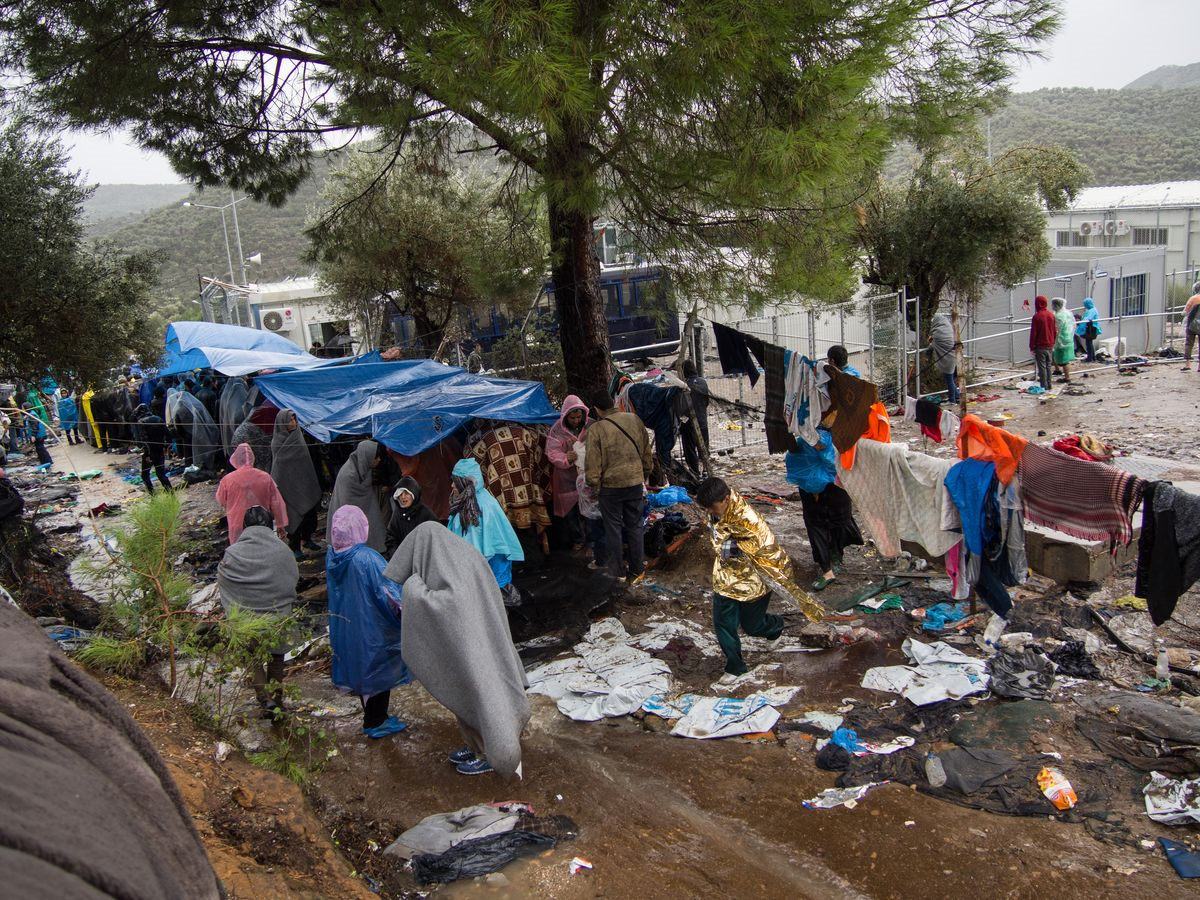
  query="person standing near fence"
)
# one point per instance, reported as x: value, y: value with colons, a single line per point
x: 941, y: 349
x: 1064, y: 345
x: 1191, y: 327
x: 1043, y: 333
x: 1089, y: 327
x: 617, y: 461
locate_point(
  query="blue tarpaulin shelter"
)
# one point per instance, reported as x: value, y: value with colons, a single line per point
x: 231, y: 350
x: 408, y: 405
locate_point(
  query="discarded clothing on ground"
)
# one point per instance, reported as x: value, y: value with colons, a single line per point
x: 480, y: 856
x: 607, y: 677
x: 901, y: 495
x: 940, y: 672
x: 1184, y: 861
x: 1173, y: 801
x: 873, y: 589
x: 1168, y: 549
x: 938, y: 616
x: 1083, y: 447
x: 438, y: 833
x: 1073, y: 661
x: 1145, y: 732
x: 1023, y: 674
x: 1087, y: 500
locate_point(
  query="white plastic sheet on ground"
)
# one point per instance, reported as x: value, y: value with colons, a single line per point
x: 1173, y: 801
x: 847, y: 797
x: 607, y: 676
x: 714, y: 717
x: 941, y: 672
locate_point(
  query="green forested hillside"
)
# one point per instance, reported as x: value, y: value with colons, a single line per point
x: 1168, y: 77
x: 111, y: 203
x: 1124, y: 137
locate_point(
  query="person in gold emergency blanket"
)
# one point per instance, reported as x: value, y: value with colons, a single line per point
x: 749, y: 565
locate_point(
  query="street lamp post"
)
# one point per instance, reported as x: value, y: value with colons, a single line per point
x: 237, y: 234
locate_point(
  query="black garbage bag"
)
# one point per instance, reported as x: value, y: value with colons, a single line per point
x: 481, y: 856
x: 1073, y: 661
x: 1026, y: 673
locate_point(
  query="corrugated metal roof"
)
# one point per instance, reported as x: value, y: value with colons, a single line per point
x: 1138, y: 196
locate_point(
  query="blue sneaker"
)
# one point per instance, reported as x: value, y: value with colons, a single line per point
x: 390, y: 725
x: 462, y: 755
x: 476, y: 766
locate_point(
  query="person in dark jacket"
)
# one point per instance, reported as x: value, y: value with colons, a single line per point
x: 407, y: 512
x: 1043, y: 333
x: 150, y: 432
x: 208, y: 396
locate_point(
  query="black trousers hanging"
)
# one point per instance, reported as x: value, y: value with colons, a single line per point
x: 829, y: 519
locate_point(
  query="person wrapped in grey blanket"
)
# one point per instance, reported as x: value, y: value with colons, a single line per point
x: 457, y: 643
x: 89, y: 808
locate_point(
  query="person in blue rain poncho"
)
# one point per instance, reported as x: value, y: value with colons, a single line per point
x: 1089, y: 327
x: 364, y: 622
x: 68, y: 417
x: 477, y: 518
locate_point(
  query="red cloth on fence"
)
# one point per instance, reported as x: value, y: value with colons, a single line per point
x: 1087, y: 500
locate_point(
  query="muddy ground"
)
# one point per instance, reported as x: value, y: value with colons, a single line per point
x: 661, y: 816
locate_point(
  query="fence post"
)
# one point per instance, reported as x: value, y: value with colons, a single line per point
x: 1012, y: 327
x: 917, y: 349
x: 775, y: 330
x: 742, y: 405
x: 812, y: 334
x: 842, y: 324
x: 871, y: 338
x: 901, y: 342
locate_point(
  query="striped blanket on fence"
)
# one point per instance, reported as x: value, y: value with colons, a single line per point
x: 1087, y: 500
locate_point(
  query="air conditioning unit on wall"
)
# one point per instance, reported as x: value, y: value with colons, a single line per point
x: 279, y: 319
x: 1089, y: 228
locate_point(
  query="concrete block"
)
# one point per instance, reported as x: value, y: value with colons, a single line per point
x: 1064, y: 558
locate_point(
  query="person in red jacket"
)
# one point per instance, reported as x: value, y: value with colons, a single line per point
x: 1043, y: 332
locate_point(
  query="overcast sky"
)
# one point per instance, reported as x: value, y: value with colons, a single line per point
x: 1102, y: 44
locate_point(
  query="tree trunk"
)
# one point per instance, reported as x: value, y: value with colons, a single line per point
x: 583, y: 328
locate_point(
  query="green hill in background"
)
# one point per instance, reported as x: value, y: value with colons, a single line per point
x: 1168, y: 77
x: 114, y: 202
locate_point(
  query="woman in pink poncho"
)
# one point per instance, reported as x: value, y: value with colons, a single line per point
x: 571, y: 428
x: 245, y: 487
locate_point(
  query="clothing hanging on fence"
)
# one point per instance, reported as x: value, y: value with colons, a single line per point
x: 991, y: 557
x: 850, y: 405
x: 734, y: 353
x: 979, y: 440
x: 879, y: 428
x: 901, y: 496
x: 968, y: 483
x: 1168, y: 549
x: 1087, y: 500
x: 947, y: 423
x: 802, y: 408
x: 774, y: 363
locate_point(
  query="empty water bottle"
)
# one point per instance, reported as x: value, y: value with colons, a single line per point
x: 1162, y: 665
x: 934, y: 772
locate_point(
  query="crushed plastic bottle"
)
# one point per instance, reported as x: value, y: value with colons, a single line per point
x: 935, y: 772
x: 1162, y: 665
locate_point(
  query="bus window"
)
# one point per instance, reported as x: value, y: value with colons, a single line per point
x: 612, y: 303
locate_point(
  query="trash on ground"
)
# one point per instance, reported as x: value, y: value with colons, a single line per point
x: 847, y: 797
x: 941, y: 672
x: 1057, y: 788
x: 579, y: 864
x: 714, y: 717
x: 1173, y: 801
x: 1026, y: 674
x: 1184, y: 861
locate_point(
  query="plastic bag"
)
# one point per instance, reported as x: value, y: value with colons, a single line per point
x: 589, y: 499
x: 668, y: 496
x: 481, y: 856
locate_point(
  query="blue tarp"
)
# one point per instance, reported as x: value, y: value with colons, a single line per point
x: 231, y: 350
x: 408, y: 405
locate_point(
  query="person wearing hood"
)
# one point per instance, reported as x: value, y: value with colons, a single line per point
x: 407, y: 512
x: 68, y: 417
x: 259, y: 441
x: 364, y: 623
x: 258, y: 575
x: 477, y: 518
x: 457, y: 643
x: 1191, y: 327
x: 571, y: 429
x: 1064, y: 346
x: 293, y: 473
x: 1043, y: 334
x: 1089, y: 327
x: 355, y: 485
x: 943, y: 353
x: 233, y: 408
x: 245, y: 487
x: 197, y: 433
x: 151, y: 434
x: 86, y: 402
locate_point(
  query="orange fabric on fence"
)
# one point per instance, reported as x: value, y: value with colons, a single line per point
x: 979, y: 440
x: 879, y: 428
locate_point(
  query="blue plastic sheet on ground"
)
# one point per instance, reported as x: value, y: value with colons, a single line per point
x: 940, y: 615
x: 1184, y: 861
x: 668, y: 496
x: 409, y: 405
x: 714, y: 717
x: 847, y: 739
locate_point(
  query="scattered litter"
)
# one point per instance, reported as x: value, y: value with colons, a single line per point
x: 438, y: 833
x: 847, y: 739
x: 1182, y: 860
x: 221, y: 751
x: 1129, y: 602
x: 941, y: 673
x: 1057, y: 788
x: 579, y: 864
x: 882, y: 603
x: 1024, y: 674
x: 205, y: 601
x: 714, y: 717
x: 938, y: 616
x: 1172, y: 801
x: 757, y: 675
x: 824, y: 720
x: 847, y: 797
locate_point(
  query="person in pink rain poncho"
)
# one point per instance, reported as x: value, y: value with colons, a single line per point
x: 245, y: 487
x: 570, y: 429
